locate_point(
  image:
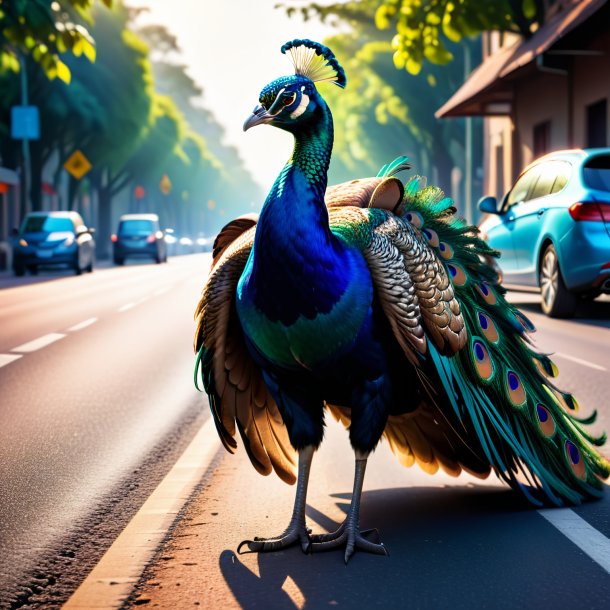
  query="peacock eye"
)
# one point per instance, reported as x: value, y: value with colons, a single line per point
x: 289, y: 99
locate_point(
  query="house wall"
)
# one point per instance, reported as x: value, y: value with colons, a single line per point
x: 591, y: 83
x: 538, y: 99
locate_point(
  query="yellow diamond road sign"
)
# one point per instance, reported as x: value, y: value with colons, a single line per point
x: 77, y: 165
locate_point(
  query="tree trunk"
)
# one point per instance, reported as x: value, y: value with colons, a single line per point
x: 104, y: 209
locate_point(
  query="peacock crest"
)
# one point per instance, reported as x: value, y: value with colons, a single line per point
x: 315, y: 61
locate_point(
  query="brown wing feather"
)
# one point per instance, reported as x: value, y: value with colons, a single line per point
x: 243, y: 401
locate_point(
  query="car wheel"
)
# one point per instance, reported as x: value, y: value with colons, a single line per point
x: 118, y: 260
x: 33, y: 269
x: 557, y: 301
x: 19, y: 269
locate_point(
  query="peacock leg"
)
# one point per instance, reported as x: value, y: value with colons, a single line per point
x: 296, y: 530
x: 348, y: 533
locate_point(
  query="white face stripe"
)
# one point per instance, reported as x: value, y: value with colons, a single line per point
x: 300, y: 109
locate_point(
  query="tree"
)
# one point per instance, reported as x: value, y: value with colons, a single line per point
x: 43, y: 30
x: 424, y: 29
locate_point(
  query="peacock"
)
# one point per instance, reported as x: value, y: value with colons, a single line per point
x: 372, y: 300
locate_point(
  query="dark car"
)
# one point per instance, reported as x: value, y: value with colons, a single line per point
x: 139, y: 236
x: 553, y: 228
x: 53, y: 238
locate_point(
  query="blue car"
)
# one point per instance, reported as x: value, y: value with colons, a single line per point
x: 48, y: 239
x: 553, y: 228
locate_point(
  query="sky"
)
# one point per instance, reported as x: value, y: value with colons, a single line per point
x: 232, y: 49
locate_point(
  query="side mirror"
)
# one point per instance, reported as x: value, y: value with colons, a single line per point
x: 488, y: 205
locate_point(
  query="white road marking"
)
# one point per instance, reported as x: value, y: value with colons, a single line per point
x: 129, y: 306
x: 8, y: 358
x: 83, y: 324
x: 39, y: 343
x: 592, y: 365
x: 581, y: 533
x: 113, y: 579
x: 162, y: 291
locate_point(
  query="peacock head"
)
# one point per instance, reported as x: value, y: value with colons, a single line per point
x: 290, y: 101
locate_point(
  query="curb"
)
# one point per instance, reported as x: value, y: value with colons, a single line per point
x: 114, y: 578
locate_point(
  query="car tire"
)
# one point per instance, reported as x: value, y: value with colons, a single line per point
x: 19, y: 269
x: 557, y: 301
x: 118, y: 260
x: 33, y: 269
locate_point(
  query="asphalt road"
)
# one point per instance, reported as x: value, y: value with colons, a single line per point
x: 96, y: 402
x: 454, y: 543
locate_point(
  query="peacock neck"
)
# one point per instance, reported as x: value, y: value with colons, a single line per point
x: 305, y: 175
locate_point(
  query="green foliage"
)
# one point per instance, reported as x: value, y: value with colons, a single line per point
x: 423, y: 30
x: 43, y: 30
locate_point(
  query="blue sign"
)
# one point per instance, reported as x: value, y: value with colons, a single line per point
x: 25, y: 123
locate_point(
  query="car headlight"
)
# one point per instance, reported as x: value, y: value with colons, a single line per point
x: 23, y: 243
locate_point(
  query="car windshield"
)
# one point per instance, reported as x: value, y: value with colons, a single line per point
x: 135, y: 226
x: 48, y: 224
x: 596, y: 173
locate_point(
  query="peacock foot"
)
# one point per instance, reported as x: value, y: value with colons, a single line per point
x: 294, y: 533
x: 351, y: 537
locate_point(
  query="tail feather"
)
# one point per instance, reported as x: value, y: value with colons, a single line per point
x: 526, y: 426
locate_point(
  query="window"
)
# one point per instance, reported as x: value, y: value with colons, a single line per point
x: 48, y: 224
x: 596, y: 173
x: 519, y: 192
x: 552, y: 177
x: 597, y: 124
x: 136, y: 227
x: 542, y: 138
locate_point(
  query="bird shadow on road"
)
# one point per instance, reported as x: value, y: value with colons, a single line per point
x: 436, y: 537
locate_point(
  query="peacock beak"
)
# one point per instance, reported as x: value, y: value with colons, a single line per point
x: 259, y: 116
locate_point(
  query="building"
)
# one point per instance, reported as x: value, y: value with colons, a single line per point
x: 544, y: 93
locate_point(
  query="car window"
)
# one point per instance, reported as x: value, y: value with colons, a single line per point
x: 552, y: 177
x: 596, y: 173
x: 136, y: 227
x: 48, y: 224
x: 523, y: 185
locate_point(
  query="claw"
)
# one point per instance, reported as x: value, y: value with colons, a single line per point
x: 351, y: 538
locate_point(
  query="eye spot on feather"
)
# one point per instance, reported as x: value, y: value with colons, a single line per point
x: 446, y: 250
x: 486, y: 293
x: 546, y: 367
x: 415, y: 218
x: 575, y: 460
x: 432, y: 237
x: 545, y: 420
x: 488, y: 328
x: 458, y: 275
x: 515, y: 389
x: 482, y: 360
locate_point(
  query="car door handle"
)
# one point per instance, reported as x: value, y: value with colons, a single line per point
x: 541, y: 212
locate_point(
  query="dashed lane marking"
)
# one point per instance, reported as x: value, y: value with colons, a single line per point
x: 162, y: 291
x: 129, y: 306
x: 8, y: 358
x: 82, y: 325
x: 113, y: 579
x: 582, y: 534
x: 592, y: 365
x: 39, y: 343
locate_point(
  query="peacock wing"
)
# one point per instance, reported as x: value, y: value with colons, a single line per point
x: 411, y: 282
x: 238, y: 396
